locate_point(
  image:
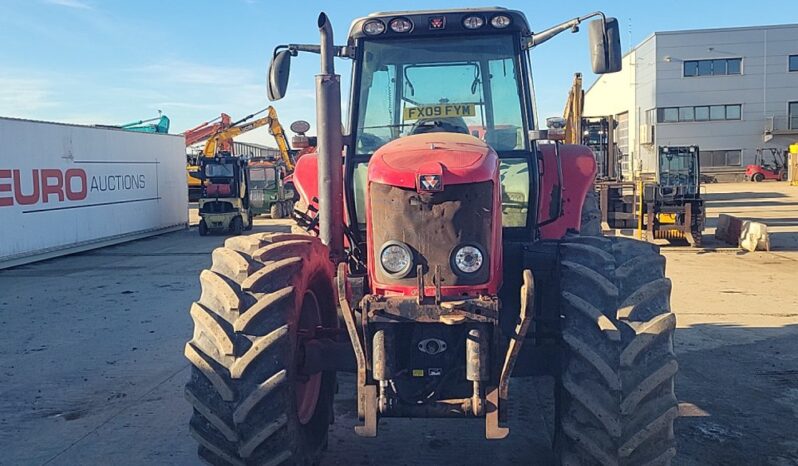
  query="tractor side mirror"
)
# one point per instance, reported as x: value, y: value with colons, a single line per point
x: 605, y: 45
x: 279, y: 70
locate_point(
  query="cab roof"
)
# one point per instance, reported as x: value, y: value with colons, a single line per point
x: 428, y: 23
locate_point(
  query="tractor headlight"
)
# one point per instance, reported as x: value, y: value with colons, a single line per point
x: 467, y: 259
x: 396, y: 259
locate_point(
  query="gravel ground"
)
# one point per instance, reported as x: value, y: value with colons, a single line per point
x: 91, y: 365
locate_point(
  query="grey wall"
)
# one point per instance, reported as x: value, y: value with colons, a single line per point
x: 764, y: 87
x: 645, y: 98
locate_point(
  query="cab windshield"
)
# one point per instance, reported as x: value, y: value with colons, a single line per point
x: 219, y: 170
x: 462, y: 85
x: 263, y: 177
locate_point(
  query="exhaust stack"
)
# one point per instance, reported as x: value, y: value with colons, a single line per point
x: 330, y: 146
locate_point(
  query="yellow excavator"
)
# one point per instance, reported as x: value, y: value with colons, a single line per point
x: 573, y: 112
x: 218, y: 135
x: 264, y: 179
x: 222, y: 140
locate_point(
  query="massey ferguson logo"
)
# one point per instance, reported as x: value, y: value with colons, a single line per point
x: 430, y: 182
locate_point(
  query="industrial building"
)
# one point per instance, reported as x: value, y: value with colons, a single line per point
x: 730, y: 91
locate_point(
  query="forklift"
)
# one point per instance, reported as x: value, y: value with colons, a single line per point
x: 671, y: 206
x: 667, y: 206
x: 224, y: 204
x: 762, y: 170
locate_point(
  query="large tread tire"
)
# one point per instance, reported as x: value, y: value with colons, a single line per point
x: 591, y: 215
x: 236, y: 226
x: 243, y: 351
x: 615, y: 402
x: 276, y: 211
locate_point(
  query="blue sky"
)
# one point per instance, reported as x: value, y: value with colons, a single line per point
x: 116, y: 61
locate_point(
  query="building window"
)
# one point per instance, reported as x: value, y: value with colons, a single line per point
x: 733, y: 112
x: 721, y: 158
x: 668, y: 115
x: 651, y: 116
x: 793, y: 115
x: 704, y: 113
x: 717, y: 112
x: 720, y: 67
x: 793, y: 62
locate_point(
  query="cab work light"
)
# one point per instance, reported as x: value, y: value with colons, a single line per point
x: 473, y: 22
x: 374, y: 27
x: 401, y: 25
x: 500, y: 21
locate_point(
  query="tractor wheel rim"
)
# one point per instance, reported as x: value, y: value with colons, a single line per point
x: 307, y: 391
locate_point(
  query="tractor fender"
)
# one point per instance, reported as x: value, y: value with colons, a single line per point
x: 578, y: 173
x: 306, y: 179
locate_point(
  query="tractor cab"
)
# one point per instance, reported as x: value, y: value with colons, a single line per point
x: 224, y: 203
x: 269, y: 192
x: 462, y: 85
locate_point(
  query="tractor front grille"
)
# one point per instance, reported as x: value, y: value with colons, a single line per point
x: 433, y: 224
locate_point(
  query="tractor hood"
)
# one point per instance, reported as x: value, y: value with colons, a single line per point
x: 433, y: 160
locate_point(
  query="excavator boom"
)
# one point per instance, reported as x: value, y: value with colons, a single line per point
x: 222, y: 139
x: 208, y: 129
x: 573, y: 112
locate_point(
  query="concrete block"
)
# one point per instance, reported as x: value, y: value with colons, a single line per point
x: 754, y: 236
x: 729, y: 229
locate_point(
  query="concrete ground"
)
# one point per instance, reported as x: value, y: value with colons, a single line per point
x: 92, y: 371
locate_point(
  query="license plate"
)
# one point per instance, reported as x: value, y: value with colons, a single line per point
x: 440, y: 110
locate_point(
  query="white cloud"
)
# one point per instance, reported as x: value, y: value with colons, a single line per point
x: 24, y: 97
x: 77, y: 4
x: 184, y: 72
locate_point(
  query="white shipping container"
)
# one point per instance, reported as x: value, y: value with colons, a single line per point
x: 68, y: 188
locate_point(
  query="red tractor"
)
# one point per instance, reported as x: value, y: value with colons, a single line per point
x: 762, y: 170
x: 438, y: 264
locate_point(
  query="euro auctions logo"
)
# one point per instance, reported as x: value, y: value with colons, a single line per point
x: 42, y: 185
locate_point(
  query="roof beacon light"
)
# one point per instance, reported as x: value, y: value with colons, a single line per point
x: 401, y: 25
x: 500, y: 21
x: 374, y: 27
x: 473, y: 22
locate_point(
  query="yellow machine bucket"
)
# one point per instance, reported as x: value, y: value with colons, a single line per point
x: 666, y: 218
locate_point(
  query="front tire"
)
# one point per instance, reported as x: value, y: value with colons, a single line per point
x: 276, y: 211
x: 758, y: 177
x: 203, y: 228
x: 236, y: 226
x: 250, y: 408
x: 615, y: 396
x: 591, y: 214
